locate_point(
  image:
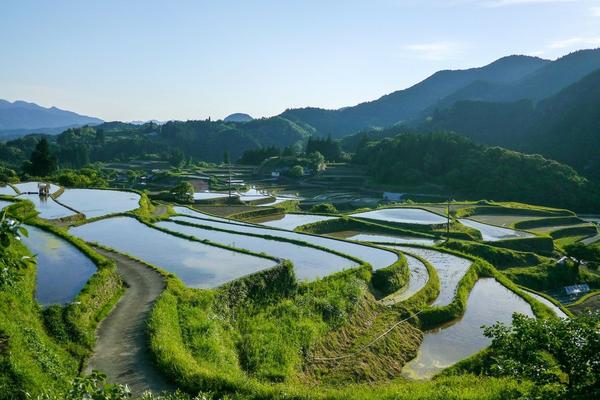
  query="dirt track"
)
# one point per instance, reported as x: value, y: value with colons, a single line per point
x: 121, y: 350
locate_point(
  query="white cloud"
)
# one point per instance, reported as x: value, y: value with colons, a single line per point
x: 435, y: 51
x: 579, y: 42
x: 595, y: 11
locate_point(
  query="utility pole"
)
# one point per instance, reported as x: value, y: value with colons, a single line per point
x: 448, y: 216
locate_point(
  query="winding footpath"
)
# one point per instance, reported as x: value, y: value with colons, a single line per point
x: 121, y: 351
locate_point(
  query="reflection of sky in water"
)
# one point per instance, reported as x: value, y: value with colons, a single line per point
x: 378, y: 258
x: 95, y: 203
x: 417, y: 279
x: 309, y: 263
x: 403, y: 215
x: 196, y: 264
x: 7, y: 190
x: 48, y: 208
x: 369, y: 237
x: 488, y: 303
x: 292, y: 221
x: 450, y: 270
x: 33, y: 187
x: 62, y: 270
x: 492, y: 233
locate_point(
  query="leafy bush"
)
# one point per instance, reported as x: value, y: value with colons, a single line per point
x: 324, y: 208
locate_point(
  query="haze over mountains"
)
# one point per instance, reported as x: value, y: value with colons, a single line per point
x: 21, y: 116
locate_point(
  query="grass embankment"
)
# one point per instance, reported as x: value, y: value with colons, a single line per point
x: 262, y: 341
x: 75, y: 324
x: 31, y: 361
x: 346, y: 223
x: 391, y: 278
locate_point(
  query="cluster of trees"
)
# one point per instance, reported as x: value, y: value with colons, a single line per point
x: 561, y: 354
x: 461, y: 166
x: 330, y: 149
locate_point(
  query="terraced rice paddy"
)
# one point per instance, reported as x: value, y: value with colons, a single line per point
x: 378, y: 258
x: 375, y: 238
x: 62, y: 270
x: 450, y: 270
x: 292, y: 221
x: 417, y: 280
x: 32, y: 187
x: 403, y: 215
x: 7, y: 191
x: 491, y: 233
x: 556, y: 310
x: 489, y: 302
x: 209, y: 195
x: 309, y: 263
x: 4, y: 204
x: 196, y: 264
x: 95, y: 203
x: 47, y: 207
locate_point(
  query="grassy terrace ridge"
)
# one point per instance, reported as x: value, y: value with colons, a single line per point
x: 282, y: 239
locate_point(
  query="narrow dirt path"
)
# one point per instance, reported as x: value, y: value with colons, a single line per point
x: 121, y: 350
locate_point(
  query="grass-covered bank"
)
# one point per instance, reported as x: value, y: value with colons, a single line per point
x: 79, y: 319
x: 31, y: 360
x: 263, y: 344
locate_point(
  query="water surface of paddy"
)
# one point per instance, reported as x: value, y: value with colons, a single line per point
x: 7, y: 190
x: 292, y: 221
x: 32, y: 187
x: 95, y: 202
x: 375, y: 238
x: 556, y: 310
x: 491, y: 233
x: 47, y: 207
x: 62, y: 270
x: 450, y: 270
x: 403, y: 215
x: 309, y: 263
x: 417, y: 280
x: 196, y: 264
x: 378, y: 258
x: 489, y: 302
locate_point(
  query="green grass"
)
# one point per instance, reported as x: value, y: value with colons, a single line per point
x: 31, y: 361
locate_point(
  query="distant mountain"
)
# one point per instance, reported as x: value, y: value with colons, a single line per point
x: 23, y: 116
x: 407, y: 104
x: 238, y: 117
x: 541, y: 83
x: 564, y: 127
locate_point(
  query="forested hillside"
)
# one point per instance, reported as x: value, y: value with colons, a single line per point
x: 199, y: 140
x: 565, y: 127
x: 464, y: 167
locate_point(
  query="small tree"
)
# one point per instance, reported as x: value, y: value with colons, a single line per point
x: 296, y: 171
x: 183, y: 193
x: 42, y: 162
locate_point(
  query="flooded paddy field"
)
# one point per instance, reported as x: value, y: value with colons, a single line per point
x: 196, y: 264
x: 95, y: 202
x: 378, y: 258
x: 489, y: 302
x: 309, y: 263
x: 292, y: 221
x: 62, y: 270
x: 491, y: 233
x: 403, y: 215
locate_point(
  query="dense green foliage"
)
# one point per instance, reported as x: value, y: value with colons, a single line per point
x: 330, y: 149
x: 42, y: 162
x: 464, y: 167
x: 543, y: 129
x: 562, y: 352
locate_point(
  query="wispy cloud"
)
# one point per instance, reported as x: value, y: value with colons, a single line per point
x: 503, y: 3
x: 435, y: 51
x: 595, y: 11
x: 579, y: 42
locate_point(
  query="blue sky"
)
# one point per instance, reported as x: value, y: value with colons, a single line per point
x: 146, y: 59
